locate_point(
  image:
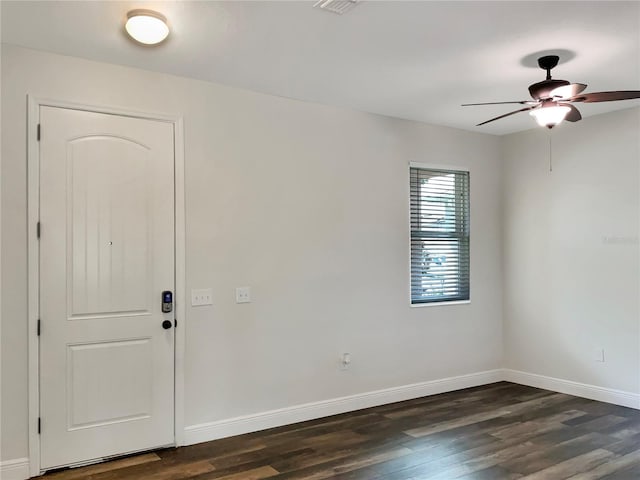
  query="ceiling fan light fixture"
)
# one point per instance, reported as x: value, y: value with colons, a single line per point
x: 550, y: 116
x: 146, y: 26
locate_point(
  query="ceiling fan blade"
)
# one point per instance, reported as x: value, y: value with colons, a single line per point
x: 606, y: 96
x: 573, y: 115
x: 506, y: 115
x: 521, y: 102
x: 567, y: 91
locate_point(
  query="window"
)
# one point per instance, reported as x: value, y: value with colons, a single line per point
x: 439, y: 235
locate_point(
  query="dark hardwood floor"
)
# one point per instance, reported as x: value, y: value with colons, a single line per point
x: 498, y: 431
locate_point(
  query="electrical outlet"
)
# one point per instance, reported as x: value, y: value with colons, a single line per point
x: 201, y: 297
x: 243, y: 295
x: 598, y: 354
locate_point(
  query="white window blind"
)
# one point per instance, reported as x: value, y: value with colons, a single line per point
x: 439, y: 235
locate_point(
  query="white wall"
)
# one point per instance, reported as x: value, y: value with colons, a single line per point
x: 571, y: 262
x: 308, y: 205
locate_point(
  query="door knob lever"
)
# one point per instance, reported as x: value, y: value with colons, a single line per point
x: 167, y: 324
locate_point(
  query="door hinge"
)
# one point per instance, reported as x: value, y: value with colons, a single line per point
x: 38, y: 327
x: 38, y: 134
x: 38, y: 229
x: 39, y: 426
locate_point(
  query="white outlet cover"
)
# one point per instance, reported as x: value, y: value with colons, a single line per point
x: 243, y: 295
x: 201, y: 297
x: 598, y: 354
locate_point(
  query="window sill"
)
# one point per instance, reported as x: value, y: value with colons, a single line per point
x: 439, y: 304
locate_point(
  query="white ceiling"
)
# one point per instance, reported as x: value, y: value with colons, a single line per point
x: 413, y: 60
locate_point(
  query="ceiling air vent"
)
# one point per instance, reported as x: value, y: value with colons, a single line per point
x: 336, y: 6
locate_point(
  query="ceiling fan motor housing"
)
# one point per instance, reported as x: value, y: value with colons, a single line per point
x: 543, y: 89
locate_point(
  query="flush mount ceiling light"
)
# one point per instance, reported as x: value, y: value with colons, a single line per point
x: 146, y: 26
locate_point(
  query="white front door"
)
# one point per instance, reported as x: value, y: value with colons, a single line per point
x: 106, y: 256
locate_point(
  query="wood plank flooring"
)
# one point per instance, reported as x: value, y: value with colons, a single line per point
x: 493, y: 432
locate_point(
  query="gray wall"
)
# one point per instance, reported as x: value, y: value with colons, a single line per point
x: 571, y: 263
x: 308, y: 205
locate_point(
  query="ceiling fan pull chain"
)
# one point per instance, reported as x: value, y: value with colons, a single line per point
x: 550, y: 153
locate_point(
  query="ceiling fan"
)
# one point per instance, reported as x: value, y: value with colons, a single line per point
x: 552, y: 99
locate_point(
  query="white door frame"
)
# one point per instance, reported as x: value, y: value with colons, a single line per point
x: 33, y: 215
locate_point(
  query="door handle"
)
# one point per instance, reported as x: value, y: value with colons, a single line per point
x: 167, y: 324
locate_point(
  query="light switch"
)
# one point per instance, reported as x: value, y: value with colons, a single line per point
x: 201, y: 297
x: 243, y: 295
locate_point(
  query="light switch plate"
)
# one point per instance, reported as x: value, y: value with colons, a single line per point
x: 201, y: 297
x: 243, y: 295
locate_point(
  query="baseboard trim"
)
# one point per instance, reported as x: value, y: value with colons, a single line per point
x: 205, y: 432
x: 17, y: 469
x: 593, y: 392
